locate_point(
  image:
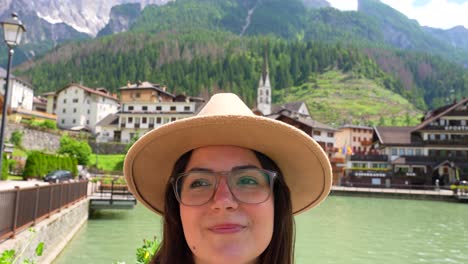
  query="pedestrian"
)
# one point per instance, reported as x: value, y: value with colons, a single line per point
x: 227, y: 184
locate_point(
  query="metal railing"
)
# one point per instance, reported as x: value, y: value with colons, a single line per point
x: 22, y: 208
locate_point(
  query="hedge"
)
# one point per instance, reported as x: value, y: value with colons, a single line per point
x: 39, y: 164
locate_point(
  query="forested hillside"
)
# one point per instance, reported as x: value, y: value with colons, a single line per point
x: 203, y: 46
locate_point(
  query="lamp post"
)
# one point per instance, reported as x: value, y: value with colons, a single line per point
x: 13, y: 30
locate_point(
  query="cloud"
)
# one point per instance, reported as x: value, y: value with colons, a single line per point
x: 434, y: 13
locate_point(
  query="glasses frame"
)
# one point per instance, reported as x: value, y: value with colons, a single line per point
x: 271, y: 176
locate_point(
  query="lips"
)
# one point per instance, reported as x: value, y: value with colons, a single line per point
x: 226, y: 228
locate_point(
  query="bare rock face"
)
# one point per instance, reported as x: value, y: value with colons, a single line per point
x: 84, y: 16
x: 316, y: 3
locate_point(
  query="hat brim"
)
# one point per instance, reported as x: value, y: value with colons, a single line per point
x: 305, y: 166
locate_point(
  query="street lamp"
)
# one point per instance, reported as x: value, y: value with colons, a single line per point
x: 13, y: 30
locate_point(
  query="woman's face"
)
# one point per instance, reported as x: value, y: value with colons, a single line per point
x: 225, y: 230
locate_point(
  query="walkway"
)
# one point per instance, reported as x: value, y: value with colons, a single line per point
x: 8, y: 185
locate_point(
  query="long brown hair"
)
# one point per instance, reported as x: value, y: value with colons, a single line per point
x: 174, y: 248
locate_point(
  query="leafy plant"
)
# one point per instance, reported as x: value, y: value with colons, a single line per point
x: 146, y: 252
x: 77, y: 149
x: 17, y: 139
x: 10, y: 256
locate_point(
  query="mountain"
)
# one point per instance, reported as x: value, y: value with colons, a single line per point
x: 456, y: 36
x: 120, y: 19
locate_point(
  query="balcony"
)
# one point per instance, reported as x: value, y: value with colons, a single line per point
x: 369, y: 158
x: 450, y: 142
x: 433, y: 159
x: 370, y: 173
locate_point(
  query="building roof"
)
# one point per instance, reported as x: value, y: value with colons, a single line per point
x: 34, y: 113
x: 89, y: 90
x: 110, y: 119
x: 441, y: 111
x: 357, y: 126
x: 3, y: 74
x: 394, y: 135
x: 147, y: 85
x: 39, y: 100
x: 292, y: 106
x: 306, y: 121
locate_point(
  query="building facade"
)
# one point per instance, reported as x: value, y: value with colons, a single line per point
x: 21, y: 93
x: 433, y: 153
x: 145, y: 106
x: 352, y: 139
x: 81, y: 108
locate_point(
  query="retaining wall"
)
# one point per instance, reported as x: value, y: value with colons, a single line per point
x: 55, y: 232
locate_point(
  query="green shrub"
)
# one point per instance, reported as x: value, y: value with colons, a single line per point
x: 17, y: 139
x: 79, y: 150
x: 39, y: 164
x: 4, y: 168
x: 48, y: 124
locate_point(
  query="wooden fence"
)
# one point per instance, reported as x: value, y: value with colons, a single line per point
x: 22, y: 208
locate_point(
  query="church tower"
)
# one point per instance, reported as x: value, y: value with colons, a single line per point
x: 264, y: 89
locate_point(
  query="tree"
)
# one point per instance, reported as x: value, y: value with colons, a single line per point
x: 76, y: 149
x: 17, y: 139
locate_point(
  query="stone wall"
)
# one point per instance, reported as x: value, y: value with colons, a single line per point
x: 35, y: 139
x: 55, y: 232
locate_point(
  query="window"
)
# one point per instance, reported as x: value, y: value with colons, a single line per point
x: 418, y: 152
x: 76, y: 91
x: 64, y: 110
x: 394, y: 151
x: 173, y: 119
x: 75, y: 100
x: 317, y: 133
x: 186, y: 108
x: 158, y: 108
x: 63, y: 121
x: 74, y: 110
x: 130, y: 120
x: 89, y: 111
x: 158, y: 120
x: 329, y: 145
x: 173, y: 108
x: 87, y: 122
x: 65, y: 101
x: 74, y: 121
x: 354, y: 139
x: 402, y: 152
x: 330, y: 134
x: 144, y: 108
x: 143, y: 120
x: 130, y: 108
x: 410, y: 152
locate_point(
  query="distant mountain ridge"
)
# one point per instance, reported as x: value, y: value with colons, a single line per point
x: 51, y: 22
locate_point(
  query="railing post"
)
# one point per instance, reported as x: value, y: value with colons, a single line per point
x: 112, y: 193
x: 51, y: 192
x: 37, y: 204
x: 60, y: 198
x: 15, y: 214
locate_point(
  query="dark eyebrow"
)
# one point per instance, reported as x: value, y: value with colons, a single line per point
x: 243, y: 167
x: 200, y: 169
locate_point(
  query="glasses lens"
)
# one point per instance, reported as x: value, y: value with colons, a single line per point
x: 196, y: 188
x: 247, y: 186
x: 250, y: 185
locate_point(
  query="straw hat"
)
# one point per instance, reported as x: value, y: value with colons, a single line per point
x: 226, y: 120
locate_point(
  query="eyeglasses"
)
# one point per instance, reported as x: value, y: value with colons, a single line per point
x: 249, y: 185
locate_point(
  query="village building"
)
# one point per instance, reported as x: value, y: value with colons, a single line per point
x: 80, y: 108
x: 433, y: 153
x: 353, y: 139
x: 145, y: 106
x: 20, y: 92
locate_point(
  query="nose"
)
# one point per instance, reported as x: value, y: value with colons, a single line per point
x: 223, y: 199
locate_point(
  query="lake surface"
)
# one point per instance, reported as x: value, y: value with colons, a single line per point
x: 342, y: 230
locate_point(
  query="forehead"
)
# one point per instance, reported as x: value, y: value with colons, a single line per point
x: 222, y: 158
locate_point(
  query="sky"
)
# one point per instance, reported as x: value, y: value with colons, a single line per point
x: 443, y: 14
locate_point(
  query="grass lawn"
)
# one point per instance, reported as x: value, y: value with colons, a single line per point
x: 15, y: 178
x: 107, y: 162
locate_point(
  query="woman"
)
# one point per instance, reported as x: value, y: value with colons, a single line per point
x: 227, y: 183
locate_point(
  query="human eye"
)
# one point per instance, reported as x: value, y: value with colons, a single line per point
x: 199, y: 183
x: 247, y: 181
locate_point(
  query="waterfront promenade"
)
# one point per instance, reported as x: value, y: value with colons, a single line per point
x: 434, y: 194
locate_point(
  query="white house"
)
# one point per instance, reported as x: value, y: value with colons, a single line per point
x: 20, y: 92
x: 81, y: 108
x: 145, y: 106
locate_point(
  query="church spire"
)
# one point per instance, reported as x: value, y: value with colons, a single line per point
x: 264, y: 88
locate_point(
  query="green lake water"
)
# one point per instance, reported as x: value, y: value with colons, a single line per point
x: 342, y: 230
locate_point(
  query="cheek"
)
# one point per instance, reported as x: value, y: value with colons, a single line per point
x: 190, y: 217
